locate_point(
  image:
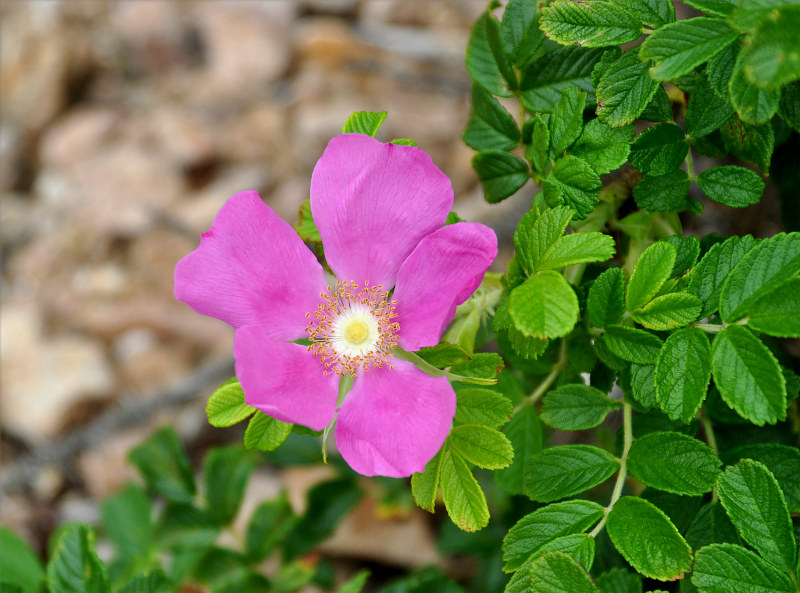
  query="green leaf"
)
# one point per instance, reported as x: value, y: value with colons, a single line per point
x: 265, y: 433
x: 709, y: 275
x: 525, y: 434
x: 668, y: 311
x: 521, y: 34
x: 659, y: 108
x: 732, y: 185
x: 154, y: 581
x: 748, y: 377
x: 750, y: 143
x: 754, y: 105
x: 18, y: 563
x: 652, y: 269
x: 501, y: 174
x: 605, y: 148
x: 633, y: 345
x: 305, y: 227
x: 659, y: 150
x: 783, y: 461
x: 662, y: 193
x: 674, y: 462
x: 226, y: 471
x: 688, y: 250
x: 771, y: 57
x: 605, y: 303
x: 771, y: 263
x: 580, y: 546
x: 483, y: 364
x: 778, y: 313
x: 643, y: 388
x: 538, y: 233
x: 578, y: 248
x: 682, y: 373
x: 647, y: 539
x: 566, y: 470
x: 355, y: 584
x: 619, y: 580
x: 573, y: 182
x: 164, y: 465
x: 789, y: 106
x: 485, y: 58
x: 713, y: 7
x: 538, y: 150
x: 679, y: 47
x: 490, y: 126
x: 706, y: 110
x: 482, y: 406
x: 74, y: 566
x: 711, y: 526
x: 268, y: 525
x: 544, y: 306
x: 443, y: 355
x: 403, y: 142
x: 720, y: 68
x: 566, y: 122
x: 226, y: 406
x: 555, y: 71
x: 592, y: 23
x: 128, y: 523
x: 655, y: 13
x: 756, y: 506
x: 576, y: 407
x: 544, y: 525
x: 463, y: 497
x: 425, y: 484
x: 557, y: 572
x: 481, y: 445
x: 364, y: 122
x: 728, y: 568
x: 625, y: 89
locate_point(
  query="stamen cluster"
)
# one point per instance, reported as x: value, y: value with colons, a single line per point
x: 366, y: 309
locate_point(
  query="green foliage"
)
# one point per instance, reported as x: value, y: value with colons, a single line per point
x: 364, y: 122
x: 659, y: 150
x: 163, y: 463
x: 728, y: 568
x: 653, y: 268
x: 226, y: 405
x: 501, y: 174
x: 682, y: 373
x: 576, y: 407
x: 19, y: 566
x: 463, y: 497
x: 625, y: 89
x: 75, y: 566
x: 559, y: 472
x: 557, y: 572
x: 731, y: 185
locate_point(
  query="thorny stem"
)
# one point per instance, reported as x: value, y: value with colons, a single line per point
x: 542, y: 388
x: 627, y: 431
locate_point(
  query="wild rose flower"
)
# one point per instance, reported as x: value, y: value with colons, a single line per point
x: 380, y: 211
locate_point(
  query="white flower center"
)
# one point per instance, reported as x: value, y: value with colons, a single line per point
x: 355, y: 331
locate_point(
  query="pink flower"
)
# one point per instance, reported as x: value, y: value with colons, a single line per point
x: 380, y: 210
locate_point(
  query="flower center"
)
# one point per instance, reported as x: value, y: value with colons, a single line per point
x: 352, y: 328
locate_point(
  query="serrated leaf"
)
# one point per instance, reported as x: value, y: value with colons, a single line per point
x: 580, y: 546
x: 226, y: 405
x: 605, y: 302
x: 592, y: 23
x: 761, y: 270
x: 226, y: 471
x: 777, y: 313
x: 74, y: 566
x: 748, y: 377
x: 566, y: 122
x: 19, y: 565
x: 731, y: 185
x: 265, y: 433
x: 463, y: 497
x: 268, y: 525
x: 527, y: 348
x: 619, y: 580
x: 625, y: 89
x: 576, y: 407
x: 443, y: 355
x: 662, y: 193
x: 483, y: 364
x: 679, y: 47
x: 655, y: 13
x: 756, y: 506
x: 425, y: 484
x: 633, y: 345
x: 688, y: 249
x: 782, y: 461
x: 643, y: 388
x: 501, y: 174
x: 682, y: 373
x: 713, y: 7
x: 490, y: 126
x: 674, y: 462
x: 659, y: 108
x: 153, y: 581
x: 659, y: 150
x: 555, y: 71
x: 647, y: 539
x: 711, y: 526
x: 719, y: 69
x: 557, y: 572
x: 680, y: 509
x: 566, y: 470
x: 538, y: 233
x: 573, y: 182
x: 481, y: 445
x: 305, y: 225
x: 578, y: 248
x: 164, y: 465
x: 544, y: 306
x: 521, y: 34
x: 482, y: 406
x: 754, y: 105
x: 668, y: 311
x: 364, y: 122
x: 539, y: 148
x: 706, y: 110
x: 605, y: 148
x: 652, y: 269
x: 709, y: 275
x: 525, y: 434
x: 485, y: 58
x: 128, y: 522
x: 544, y: 525
x: 728, y: 568
x: 771, y: 57
x: 403, y: 142
x: 750, y: 143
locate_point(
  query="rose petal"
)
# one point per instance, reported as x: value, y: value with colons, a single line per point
x: 394, y: 421
x: 252, y: 268
x: 441, y: 273
x: 283, y: 379
x: 372, y: 203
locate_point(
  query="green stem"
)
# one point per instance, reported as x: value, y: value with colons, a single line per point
x: 542, y: 388
x: 708, y: 429
x: 627, y: 431
x: 713, y: 328
x: 690, y: 165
